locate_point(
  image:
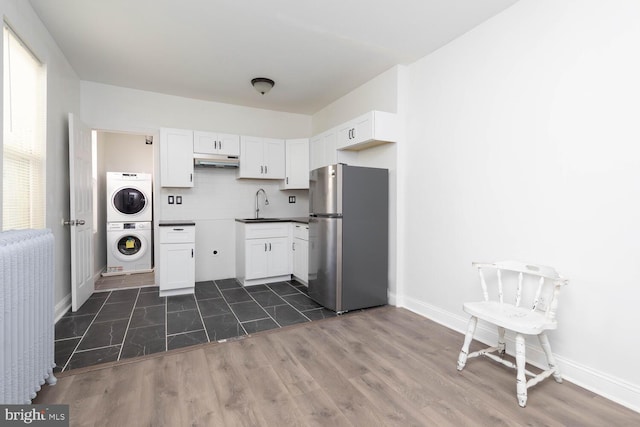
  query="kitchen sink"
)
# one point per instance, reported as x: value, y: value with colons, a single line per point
x: 262, y: 219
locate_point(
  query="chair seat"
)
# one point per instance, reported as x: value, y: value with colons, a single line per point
x: 517, y: 319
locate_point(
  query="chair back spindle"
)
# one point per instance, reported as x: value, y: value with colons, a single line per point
x: 519, y: 289
x: 536, y: 299
x: 483, y: 283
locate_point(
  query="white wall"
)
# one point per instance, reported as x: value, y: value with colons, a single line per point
x: 217, y: 197
x: 63, y: 96
x: 523, y: 144
x: 379, y: 93
x: 383, y: 93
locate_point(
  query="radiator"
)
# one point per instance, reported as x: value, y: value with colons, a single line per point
x: 26, y: 314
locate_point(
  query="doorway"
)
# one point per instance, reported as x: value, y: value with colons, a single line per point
x: 116, y: 152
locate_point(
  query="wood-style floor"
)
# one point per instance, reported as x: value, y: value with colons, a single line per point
x: 384, y: 366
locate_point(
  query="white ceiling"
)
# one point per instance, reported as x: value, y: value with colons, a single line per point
x: 315, y: 50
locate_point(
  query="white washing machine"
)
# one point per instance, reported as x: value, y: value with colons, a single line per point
x: 129, y: 247
x: 129, y: 197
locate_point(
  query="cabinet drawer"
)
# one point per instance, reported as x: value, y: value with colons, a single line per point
x: 178, y: 234
x: 301, y: 231
x: 265, y: 230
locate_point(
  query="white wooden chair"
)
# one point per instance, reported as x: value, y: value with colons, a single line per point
x: 532, y: 319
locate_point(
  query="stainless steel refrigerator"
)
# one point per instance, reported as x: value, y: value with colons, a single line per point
x: 348, y: 236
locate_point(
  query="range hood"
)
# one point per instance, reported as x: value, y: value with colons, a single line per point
x: 215, y: 160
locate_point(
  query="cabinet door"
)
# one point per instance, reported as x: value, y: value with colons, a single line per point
x: 257, y: 258
x: 177, y: 266
x: 176, y: 158
x: 316, y: 152
x: 273, y: 158
x: 345, y: 135
x: 297, y: 164
x: 330, y: 155
x: 228, y: 145
x: 301, y: 259
x: 304, y: 260
x: 204, y: 142
x: 279, y: 256
x: 251, y: 157
x: 362, y: 129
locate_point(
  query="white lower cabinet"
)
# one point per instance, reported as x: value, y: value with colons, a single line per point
x: 262, y: 252
x: 266, y: 257
x: 176, y: 263
x: 300, y: 247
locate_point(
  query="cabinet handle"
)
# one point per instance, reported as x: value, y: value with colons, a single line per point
x: 287, y: 180
x: 261, y: 169
x: 269, y: 247
x: 190, y: 177
x: 265, y: 168
x: 293, y: 246
x: 178, y: 229
x: 215, y: 145
x: 220, y: 145
x: 191, y: 253
x: 265, y: 247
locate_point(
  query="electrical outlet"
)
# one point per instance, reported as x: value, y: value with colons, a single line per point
x: 292, y: 199
x: 170, y: 200
x: 178, y: 200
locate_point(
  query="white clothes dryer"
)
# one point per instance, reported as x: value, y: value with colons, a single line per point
x: 129, y: 247
x: 129, y: 197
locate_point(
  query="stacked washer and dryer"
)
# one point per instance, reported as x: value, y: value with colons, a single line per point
x: 129, y: 216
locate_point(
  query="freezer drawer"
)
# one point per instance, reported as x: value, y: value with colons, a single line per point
x: 325, y: 262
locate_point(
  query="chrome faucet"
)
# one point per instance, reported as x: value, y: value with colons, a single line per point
x: 266, y: 201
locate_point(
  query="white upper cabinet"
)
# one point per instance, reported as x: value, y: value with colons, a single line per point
x: 216, y: 143
x: 370, y: 129
x: 322, y: 150
x: 176, y: 158
x: 297, y: 164
x: 316, y: 152
x: 262, y: 158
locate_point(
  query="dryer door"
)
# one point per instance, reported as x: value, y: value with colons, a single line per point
x: 129, y: 201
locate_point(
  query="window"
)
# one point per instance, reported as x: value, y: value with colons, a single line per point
x: 23, y: 148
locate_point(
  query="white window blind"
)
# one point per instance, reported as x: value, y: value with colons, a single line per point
x: 23, y: 174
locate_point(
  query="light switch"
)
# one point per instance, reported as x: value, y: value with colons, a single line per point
x: 170, y: 200
x: 178, y: 200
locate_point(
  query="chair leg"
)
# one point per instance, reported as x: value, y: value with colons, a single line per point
x: 544, y: 343
x: 471, y: 328
x: 521, y: 384
x: 502, y: 347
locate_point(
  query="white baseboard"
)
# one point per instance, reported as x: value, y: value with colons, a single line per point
x: 391, y: 298
x: 612, y: 388
x: 62, y: 307
x: 65, y: 303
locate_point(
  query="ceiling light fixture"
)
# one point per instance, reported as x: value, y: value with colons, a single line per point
x: 262, y: 84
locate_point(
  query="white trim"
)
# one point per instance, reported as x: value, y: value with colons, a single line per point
x: 62, y: 307
x: 612, y: 388
x: 391, y: 298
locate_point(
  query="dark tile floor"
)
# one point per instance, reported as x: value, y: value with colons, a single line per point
x: 127, y: 323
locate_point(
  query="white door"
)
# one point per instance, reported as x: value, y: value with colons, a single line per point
x: 81, y: 212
